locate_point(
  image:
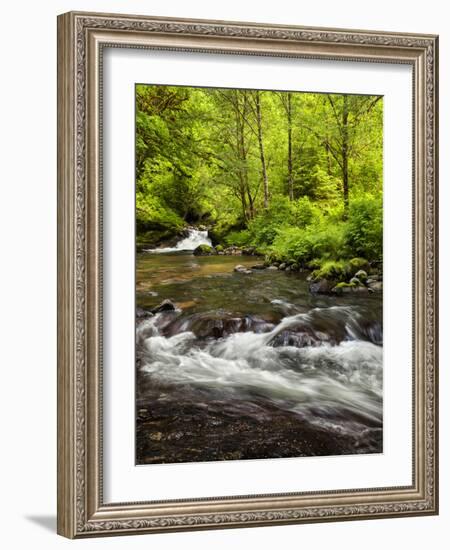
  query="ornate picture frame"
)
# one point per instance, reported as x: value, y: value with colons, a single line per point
x: 82, y: 38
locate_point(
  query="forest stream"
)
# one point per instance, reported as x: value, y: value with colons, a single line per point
x: 251, y: 365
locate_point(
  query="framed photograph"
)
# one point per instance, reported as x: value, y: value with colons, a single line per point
x: 247, y: 276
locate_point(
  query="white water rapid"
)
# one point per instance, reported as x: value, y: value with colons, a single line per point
x: 328, y: 385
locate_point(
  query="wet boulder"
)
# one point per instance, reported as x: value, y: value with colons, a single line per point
x: 349, y: 288
x: 361, y: 275
x: 142, y: 313
x: 322, y: 286
x: 165, y: 305
x: 312, y: 333
x: 233, y: 251
x: 242, y: 269
x: 204, y: 250
x: 217, y: 325
x: 375, y: 286
x: 298, y: 339
x: 185, y: 233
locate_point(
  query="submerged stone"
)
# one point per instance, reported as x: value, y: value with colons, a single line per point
x: 242, y: 269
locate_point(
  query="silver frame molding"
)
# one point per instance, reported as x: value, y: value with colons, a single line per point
x: 81, y: 38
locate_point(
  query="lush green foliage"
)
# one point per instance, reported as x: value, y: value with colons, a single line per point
x: 365, y: 226
x: 296, y: 175
x: 320, y: 240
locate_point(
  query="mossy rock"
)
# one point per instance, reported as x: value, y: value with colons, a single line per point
x: 331, y: 270
x: 219, y: 248
x: 357, y: 264
x: 361, y: 275
x: 204, y: 250
x: 345, y: 288
x: 343, y: 284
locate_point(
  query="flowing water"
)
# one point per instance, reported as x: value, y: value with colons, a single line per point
x: 252, y: 366
x: 195, y: 238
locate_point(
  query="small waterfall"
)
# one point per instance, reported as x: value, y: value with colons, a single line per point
x: 194, y: 239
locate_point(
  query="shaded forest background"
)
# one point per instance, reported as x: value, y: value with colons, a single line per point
x: 297, y: 176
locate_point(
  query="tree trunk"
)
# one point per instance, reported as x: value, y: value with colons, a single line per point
x: 289, y: 120
x: 244, y: 175
x: 345, y: 152
x: 243, y: 203
x: 247, y: 208
x: 251, y: 205
x: 327, y: 148
x: 261, y: 150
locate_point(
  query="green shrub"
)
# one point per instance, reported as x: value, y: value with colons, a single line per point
x: 304, y: 212
x: 328, y: 240
x: 223, y: 227
x: 238, y: 238
x: 314, y: 263
x: 297, y: 231
x: 291, y: 243
x: 263, y: 230
x: 365, y: 227
x: 318, y: 242
x: 153, y: 213
x: 281, y: 212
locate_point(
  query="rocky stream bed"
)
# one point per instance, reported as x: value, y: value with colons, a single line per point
x: 248, y: 363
